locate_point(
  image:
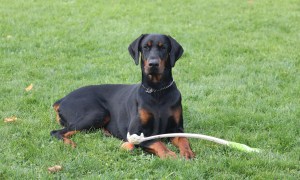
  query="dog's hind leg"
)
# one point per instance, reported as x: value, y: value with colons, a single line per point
x: 65, y: 134
x: 91, y: 121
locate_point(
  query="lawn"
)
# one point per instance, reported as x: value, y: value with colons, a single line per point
x: 239, y: 78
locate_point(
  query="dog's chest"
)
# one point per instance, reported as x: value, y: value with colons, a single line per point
x: 159, y: 113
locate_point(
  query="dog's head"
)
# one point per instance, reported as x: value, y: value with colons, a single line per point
x: 158, y: 52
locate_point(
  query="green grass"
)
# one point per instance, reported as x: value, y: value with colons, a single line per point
x: 239, y: 78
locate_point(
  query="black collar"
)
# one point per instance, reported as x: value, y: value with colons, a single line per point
x: 151, y: 90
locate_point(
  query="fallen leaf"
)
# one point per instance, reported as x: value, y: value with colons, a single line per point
x: 29, y: 88
x: 10, y: 119
x: 250, y: 2
x: 54, y: 169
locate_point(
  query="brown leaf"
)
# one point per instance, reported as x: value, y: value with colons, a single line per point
x: 10, y: 119
x: 29, y: 88
x: 54, y: 169
x: 250, y: 2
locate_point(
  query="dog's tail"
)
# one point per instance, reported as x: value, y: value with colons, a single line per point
x: 57, y: 103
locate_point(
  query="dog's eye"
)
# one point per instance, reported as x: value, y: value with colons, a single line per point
x: 161, y: 46
x: 146, y: 47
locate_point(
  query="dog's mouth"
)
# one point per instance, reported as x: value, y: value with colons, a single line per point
x: 154, y: 70
x: 154, y: 74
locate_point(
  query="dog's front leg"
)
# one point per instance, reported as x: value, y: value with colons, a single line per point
x: 160, y: 149
x: 136, y: 130
x: 184, y: 147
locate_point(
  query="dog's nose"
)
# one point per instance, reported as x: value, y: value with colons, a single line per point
x: 153, y: 62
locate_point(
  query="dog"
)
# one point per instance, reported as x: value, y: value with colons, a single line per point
x: 151, y: 107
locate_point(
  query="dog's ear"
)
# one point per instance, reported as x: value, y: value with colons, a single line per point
x: 175, y: 52
x: 134, y: 49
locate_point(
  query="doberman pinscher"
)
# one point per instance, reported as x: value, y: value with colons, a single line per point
x: 151, y: 107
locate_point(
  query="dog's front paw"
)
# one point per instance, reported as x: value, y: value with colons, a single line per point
x: 167, y: 154
x: 187, y: 154
x: 127, y: 146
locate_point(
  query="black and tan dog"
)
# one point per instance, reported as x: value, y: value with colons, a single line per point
x: 151, y: 107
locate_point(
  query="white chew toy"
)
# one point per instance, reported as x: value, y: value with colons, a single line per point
x: 136, y: 139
